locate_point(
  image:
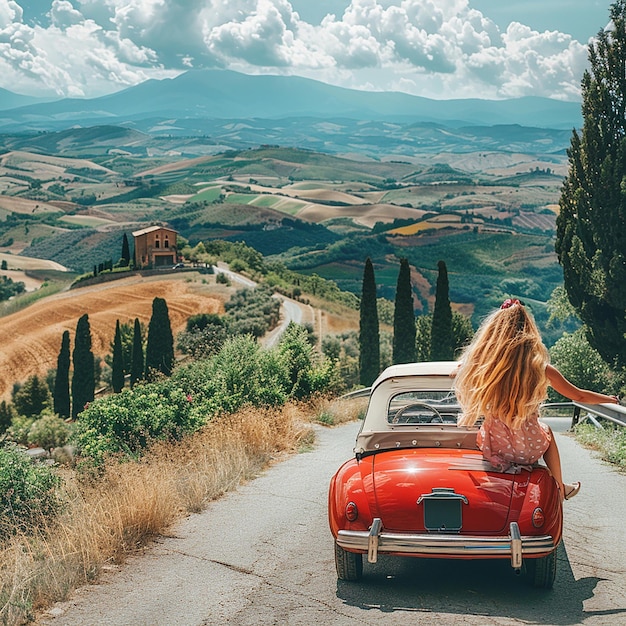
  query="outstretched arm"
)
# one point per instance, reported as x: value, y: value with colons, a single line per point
x: 559, y: 383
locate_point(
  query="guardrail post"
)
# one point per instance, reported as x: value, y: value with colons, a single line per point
x: 575, y: 416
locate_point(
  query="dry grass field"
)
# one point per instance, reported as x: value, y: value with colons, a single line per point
x: 31, y: 338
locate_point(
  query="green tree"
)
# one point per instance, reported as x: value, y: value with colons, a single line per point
x: 117, y: 366
x: 591, y: 232
x: 369, y: 333
x: 404, y: 317
x: 62, y: 379
x: 137, y: 364
x: 83, y: 380
x: 32, y: 397
x: 125, y: 258
x: 462, y: 333
x: 581, y: 364
x: 441, y: 338
x: 7, y: 413
x: 204, y: 336
x: 160, y: 346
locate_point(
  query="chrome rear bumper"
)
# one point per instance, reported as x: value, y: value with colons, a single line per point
x: 376, y: 541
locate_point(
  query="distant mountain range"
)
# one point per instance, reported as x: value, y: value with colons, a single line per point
x: 226, y: 95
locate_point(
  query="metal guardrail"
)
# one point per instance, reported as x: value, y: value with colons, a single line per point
x: 595, y: 413
x: 615, y: 413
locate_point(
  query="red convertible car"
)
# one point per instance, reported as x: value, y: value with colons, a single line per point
x: 418, y: 486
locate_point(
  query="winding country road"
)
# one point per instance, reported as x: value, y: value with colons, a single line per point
x: 263, y: 555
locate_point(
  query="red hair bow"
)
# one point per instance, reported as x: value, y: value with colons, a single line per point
x: 509, y: 302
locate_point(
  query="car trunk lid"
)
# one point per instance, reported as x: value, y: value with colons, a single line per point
x: 437, y: 490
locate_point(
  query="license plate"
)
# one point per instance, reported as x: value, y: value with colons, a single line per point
x: 443, y: 515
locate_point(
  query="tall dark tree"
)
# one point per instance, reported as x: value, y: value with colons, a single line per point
x: 117, y: 366
x: 369, y: 333
x: 441, y: 337
x: 125, y: 258
x: 32, y: 397
x: 83, y: 380
x: 61, y: 393
x: 404, y: 317
x: 137, y: 364
x: 160, y: 346
x: 591, y: 226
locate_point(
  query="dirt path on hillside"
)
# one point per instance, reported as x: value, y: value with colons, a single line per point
x: 30, y: 339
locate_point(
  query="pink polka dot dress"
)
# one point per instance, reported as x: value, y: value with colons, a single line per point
x: 503, y: 446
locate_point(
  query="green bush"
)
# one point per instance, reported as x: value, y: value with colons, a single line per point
x: 308, y: 372
x: 19, y: 429
x: 48, y: 432
x: 241, y: 373
x: 129, y: 421
x: 28, y: 492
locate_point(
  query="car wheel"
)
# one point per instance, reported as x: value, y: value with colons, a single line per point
x: 349, y: 564
x: 543, y: 571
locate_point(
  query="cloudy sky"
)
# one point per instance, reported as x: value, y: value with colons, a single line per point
x: 433, y: 48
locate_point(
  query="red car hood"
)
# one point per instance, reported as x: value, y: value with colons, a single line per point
x: 395, y: 480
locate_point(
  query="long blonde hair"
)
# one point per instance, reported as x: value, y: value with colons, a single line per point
x: 503, y: 370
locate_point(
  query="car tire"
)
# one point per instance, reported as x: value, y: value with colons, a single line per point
x: 349, y: 564
x: 543, y: 571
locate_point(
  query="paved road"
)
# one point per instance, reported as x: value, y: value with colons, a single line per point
x: 263, y: 556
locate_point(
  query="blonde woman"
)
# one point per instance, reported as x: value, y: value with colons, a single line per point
x: 503, y: 377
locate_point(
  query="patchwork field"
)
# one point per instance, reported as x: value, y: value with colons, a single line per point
x: 31, y: 339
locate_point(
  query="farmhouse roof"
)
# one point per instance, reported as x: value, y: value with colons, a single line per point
x: 151, y: 229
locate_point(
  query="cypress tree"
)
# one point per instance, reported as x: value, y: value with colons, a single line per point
x: 117, y: 367
x: 137, y: 365
x: 369, y: 333
x: 61, y: 394
x: 441, y: 338
x: 160, y: 346
x: 125, y: 252
x: 404, y: 317
x: 591, y: 225
x: 83, y: 381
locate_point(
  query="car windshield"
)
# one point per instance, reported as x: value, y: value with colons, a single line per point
x: 423, y: 407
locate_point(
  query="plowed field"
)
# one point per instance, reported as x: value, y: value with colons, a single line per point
x: 30, y: 339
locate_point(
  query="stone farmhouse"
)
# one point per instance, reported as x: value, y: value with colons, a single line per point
x: 155, y: 246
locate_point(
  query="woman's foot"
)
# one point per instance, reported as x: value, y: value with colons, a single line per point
x: 570, y: 490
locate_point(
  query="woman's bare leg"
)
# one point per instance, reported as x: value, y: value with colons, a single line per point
x: 553, y: 460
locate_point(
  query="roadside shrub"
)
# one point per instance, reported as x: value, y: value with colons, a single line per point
x: 242, y: 373
x: 28, y: 492
x: 308, y: 371
x: 129, y: 421
x: 48, y: 432
x: 19, y: 429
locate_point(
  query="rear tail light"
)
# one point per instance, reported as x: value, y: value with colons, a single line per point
x: 538, y: 518
x: 351, y: 512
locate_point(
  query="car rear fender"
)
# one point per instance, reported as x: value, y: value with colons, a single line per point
x: 349, y: 484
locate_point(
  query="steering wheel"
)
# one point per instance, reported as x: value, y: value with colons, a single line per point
x: 403, y: 416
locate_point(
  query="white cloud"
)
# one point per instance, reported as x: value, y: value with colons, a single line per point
x: 437, y: 48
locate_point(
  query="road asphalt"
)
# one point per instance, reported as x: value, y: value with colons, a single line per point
x: 263, y: 555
